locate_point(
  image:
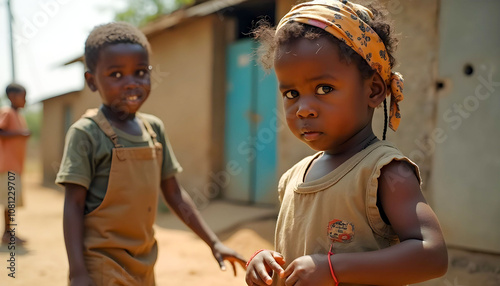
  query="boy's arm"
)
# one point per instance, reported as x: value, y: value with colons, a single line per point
x: 420, y: 256
x: 182, y: 204
x: 15, y: 133
x: 74, y: 203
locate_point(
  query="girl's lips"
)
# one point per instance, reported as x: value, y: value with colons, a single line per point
x: 311, y: 135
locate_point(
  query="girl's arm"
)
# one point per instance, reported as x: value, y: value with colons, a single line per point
x: 420, y: 256
x: 422, y: 253
x: 74, y: 203
x: 182, y: 204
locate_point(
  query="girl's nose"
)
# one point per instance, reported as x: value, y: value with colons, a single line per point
x: 306, y: 109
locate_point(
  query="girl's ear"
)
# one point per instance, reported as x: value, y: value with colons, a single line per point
x: 378, y: 90
x: 89, y: 78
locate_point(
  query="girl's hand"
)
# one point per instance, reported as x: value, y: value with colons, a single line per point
x: 222, y: 252
x: 82, y: 280
x: 309, y: 270
x: 262, y: 265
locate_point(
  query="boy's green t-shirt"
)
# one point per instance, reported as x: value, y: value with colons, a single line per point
x: 88, y: 151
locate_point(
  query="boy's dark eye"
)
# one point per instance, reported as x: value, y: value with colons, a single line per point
x: 144, y: 71
x: 323, y: 89
x: 116, y: 74
x: 291, y: 94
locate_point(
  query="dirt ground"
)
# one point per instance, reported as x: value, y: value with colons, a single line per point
x: 183, y: 258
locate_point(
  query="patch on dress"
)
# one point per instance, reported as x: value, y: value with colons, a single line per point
x: 340, y: 231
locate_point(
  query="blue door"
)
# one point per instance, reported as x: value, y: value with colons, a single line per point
x: 250, y: 135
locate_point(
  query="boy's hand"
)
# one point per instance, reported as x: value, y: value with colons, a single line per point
x: 222, y: 252
x: 83, y: 280
x: 260, y: 268
x: 309, y: 270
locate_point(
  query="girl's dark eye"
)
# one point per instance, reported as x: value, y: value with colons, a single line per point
x: 323, y: 89
x: 142, y: 73
x: 291, y: 94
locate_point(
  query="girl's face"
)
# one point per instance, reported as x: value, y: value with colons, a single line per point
x: 325, y: 98
x: 122, y: 77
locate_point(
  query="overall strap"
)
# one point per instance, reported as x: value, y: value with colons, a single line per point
x: 98, y: 117
x: 150, y: 130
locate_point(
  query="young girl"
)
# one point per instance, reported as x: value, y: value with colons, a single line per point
x: 353, y: 213
x: 116, y: 161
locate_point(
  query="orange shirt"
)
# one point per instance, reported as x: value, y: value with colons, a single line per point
x: 12, y: 149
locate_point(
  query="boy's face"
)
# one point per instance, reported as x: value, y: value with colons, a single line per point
x: 325, y: 98
x: 17, y: 99
x: 122, y: 77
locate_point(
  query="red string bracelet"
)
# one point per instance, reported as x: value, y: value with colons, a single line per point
x: 256, y: 252
x: 330, y: 253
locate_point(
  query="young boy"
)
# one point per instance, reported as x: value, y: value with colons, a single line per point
x: 115, y: 162
x: 14, y: 135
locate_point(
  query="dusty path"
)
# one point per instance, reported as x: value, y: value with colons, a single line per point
x: 183, y: 259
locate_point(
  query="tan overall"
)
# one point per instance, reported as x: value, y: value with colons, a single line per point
x: 119, y: 243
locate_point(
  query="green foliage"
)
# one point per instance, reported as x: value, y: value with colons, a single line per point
x: 141, y: 12
x: 34, y: 120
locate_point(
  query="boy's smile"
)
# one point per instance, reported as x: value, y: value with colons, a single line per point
x: 122, y: 77
x: 325, y: 98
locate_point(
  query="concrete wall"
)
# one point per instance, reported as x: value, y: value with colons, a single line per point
x: 466, y: 185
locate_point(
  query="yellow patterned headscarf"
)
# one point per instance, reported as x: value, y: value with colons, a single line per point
x: 339, y: 18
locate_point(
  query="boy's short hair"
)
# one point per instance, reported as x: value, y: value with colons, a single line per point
x: 14, y: 87
x: 109, y: 34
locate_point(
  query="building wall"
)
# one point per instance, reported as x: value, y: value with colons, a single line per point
x: 54, y: 126
x: 466, y: 163
x: 52, y: 133
x: 182, y: 87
